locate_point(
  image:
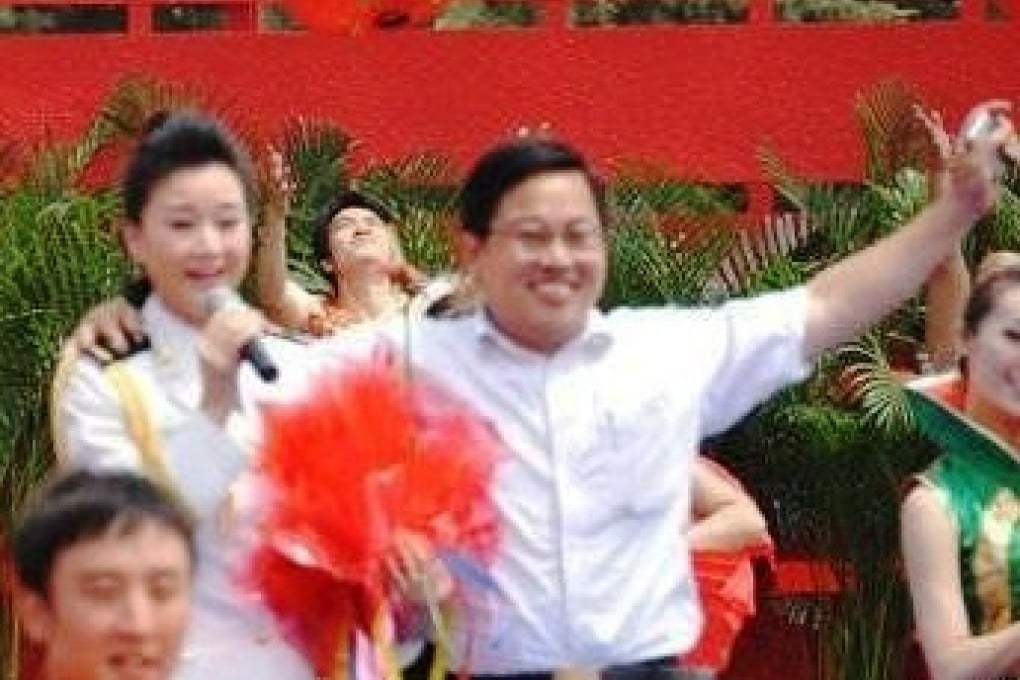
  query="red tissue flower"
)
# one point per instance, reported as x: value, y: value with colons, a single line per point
x: 365, y: 459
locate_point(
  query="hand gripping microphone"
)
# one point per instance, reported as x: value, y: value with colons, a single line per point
x: 252, y: 351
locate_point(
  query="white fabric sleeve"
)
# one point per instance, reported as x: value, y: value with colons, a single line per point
x: 760, y: 349
x: 89, y: 423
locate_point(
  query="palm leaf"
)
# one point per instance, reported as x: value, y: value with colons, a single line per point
x: 420, y: 189
x: 894, y: 138
x: 667, y: 238
x: 873, y: 384
x: 763, y: 259
x: 58, y: 259
x: 54, y: 167
x: 317, y: 154
x: 663, y: 259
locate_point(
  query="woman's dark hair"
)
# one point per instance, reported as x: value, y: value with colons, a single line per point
x: 347, y: 199
x: 508, y: 165
x: 82, y: 505
x: 173, y: 141
x: 986, y: 292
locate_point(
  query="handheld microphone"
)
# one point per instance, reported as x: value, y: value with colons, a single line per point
x: 980, y: 125
x: 252, y: 351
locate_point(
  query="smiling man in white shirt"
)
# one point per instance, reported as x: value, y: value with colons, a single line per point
x: 603, y: 413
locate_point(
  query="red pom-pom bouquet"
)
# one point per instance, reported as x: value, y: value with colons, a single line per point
x: 367, y: 458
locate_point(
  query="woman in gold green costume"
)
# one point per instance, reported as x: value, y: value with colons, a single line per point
x: 961, y: 520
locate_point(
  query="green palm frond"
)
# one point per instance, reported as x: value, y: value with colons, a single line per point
x: 764, y: 257
x: 894, y: 138
x: 904, y: 196
x: 872, y: 383
x: 421, y: 191
x: 652, y: 186
x: 664, y: 258
x: 843, y: 217
x: 667, y: 238
x: 58, y: 259
x: 1001, y: 229
x: 784, y: 181
x: 317, y: 154
x: 133, y: 100
x: 54, y: 167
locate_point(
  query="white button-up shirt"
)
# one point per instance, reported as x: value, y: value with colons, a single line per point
x: 594, y: 498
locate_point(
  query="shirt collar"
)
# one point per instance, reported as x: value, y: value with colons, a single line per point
x: 171, y: 337
x: 595, y: 337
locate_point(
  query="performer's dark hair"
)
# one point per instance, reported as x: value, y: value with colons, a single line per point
x: 173, y: 141
x: 81, y: 505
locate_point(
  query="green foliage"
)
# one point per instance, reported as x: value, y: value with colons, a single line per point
x: 894, y: 137
x: 58, y: 259
x: 841, y: 10
x: 628, y: 12
x: 829, y: 484
x: 421, y: 192
x: 316, y: 153
x: 872, y: 383
x: 666, y: 240
x: 486, y: 14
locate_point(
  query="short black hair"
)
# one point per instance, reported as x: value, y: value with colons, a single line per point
x: 510, y: 164
x: 347, y: 199
x: 82, y: 505
x: 173, y: 141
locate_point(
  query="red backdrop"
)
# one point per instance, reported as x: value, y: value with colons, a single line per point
x: 702, y: 99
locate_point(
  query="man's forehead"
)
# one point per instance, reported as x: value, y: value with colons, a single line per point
x: 354, y: 212
x: 126, y: 547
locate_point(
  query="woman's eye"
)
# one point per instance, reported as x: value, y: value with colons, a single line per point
x: 1012, y: 335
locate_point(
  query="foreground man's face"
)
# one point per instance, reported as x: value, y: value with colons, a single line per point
x: 117, y: 608
x: 543, y: 265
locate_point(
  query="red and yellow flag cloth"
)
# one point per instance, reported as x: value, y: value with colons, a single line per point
x: 368, y: 457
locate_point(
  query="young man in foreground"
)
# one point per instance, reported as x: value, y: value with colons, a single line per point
x: 104, y: 565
